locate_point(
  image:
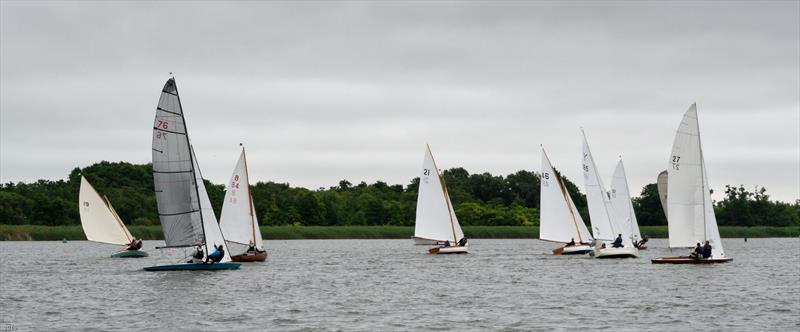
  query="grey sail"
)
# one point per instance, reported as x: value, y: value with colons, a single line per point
x: 173, y: 173
x: 662, y: 190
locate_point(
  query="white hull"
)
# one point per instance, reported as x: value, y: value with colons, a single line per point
x: 580, y: 249
x: 610, y: 252
x: 418, y: 241
x: 448, y: 250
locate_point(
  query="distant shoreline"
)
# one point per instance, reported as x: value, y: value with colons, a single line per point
x: 56, y: 233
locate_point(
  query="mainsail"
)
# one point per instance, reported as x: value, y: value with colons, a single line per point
x: 621, y: 200
x: 99, y: 220
x: 598, y: 200
x: 238, y: 220
x: 183, y: 204
x: 435, y: 219
x: 559, y: 219
x: 690, y: 209
x: 661, y: 184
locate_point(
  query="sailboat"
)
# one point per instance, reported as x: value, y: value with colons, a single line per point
x: 436, y: 220
x: 102, y: 224
x: 605, y: 225
x: 691, y: 217
x: 187, y: 219
x: 623, y: 206
x: 559, y: 220
x: 238, y: 220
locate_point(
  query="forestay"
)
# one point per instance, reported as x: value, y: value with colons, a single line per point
x: 99, y: 220
x: 173, y: 173
x: 621, y: 201
x: 435, y: 218
x: 238, y: 220
x: 691, y: 211
x: 558, y: 217
x: 598, y: 200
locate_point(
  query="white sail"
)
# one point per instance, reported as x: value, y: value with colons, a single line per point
x: 213, y: 234
x: 690, y: 209
x: 559, y: 219
x: 99, y: 220
x: 435, y: 219
x: 598, y: 200
x: 621, y: 200
x: 238, y: 220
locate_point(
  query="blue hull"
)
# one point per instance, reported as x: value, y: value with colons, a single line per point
x: 129, y: 254
x: 193, y: 267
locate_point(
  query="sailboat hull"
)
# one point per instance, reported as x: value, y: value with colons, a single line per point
x: 193, y: 267
x: 573, y: 250
x: 129, y: 254
x: 250, y: 256
x: 448, y: 250
x: 610, y: 252
x: 689, y: 260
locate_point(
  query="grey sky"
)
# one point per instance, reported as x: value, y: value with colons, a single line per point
x: 320, y: 92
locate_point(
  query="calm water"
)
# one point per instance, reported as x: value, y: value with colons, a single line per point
x: 391, y: 285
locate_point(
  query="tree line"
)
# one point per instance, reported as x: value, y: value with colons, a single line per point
x: 479, y: 199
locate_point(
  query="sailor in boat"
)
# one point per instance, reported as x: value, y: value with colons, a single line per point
x: 618, y: 242
x: 640, y: 244
x: 571, y: 243
x: 707, y: 250
x: 446, y: 244
x: 197, y: 257
x: 462, y: 242
x: 698, y: 252
x: 216, y: 256
x: 134, y: 245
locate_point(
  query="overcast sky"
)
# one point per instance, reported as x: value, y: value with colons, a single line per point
x: 320, y: 92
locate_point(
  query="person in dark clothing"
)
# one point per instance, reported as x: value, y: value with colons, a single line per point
x: 698, y: 252
x: 252, y: 247
x: 197, y: 258
x: 134, y: 245
x: 571, y: 242
x: 462, y: 242
x: 618, y: 242
x: 217, y: 255
x: 707, y: 250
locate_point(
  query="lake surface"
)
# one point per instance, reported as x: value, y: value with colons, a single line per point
x: 390, y: 285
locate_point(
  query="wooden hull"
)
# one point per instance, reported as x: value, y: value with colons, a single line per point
x: 129, y: 254
x: 689, y: 260
x: 250, y: 257
x: 573, y: 250
x: 610, y: 252
x: 193, y: 267
x: 448, y: 250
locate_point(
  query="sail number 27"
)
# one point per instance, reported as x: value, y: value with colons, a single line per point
x: 675, y: 160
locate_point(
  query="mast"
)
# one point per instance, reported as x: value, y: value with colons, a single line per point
x: 116, y: 216
x: 194, y: 171
x: 444, y: 192
x: 249, y: 196
x: 564, y: 193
